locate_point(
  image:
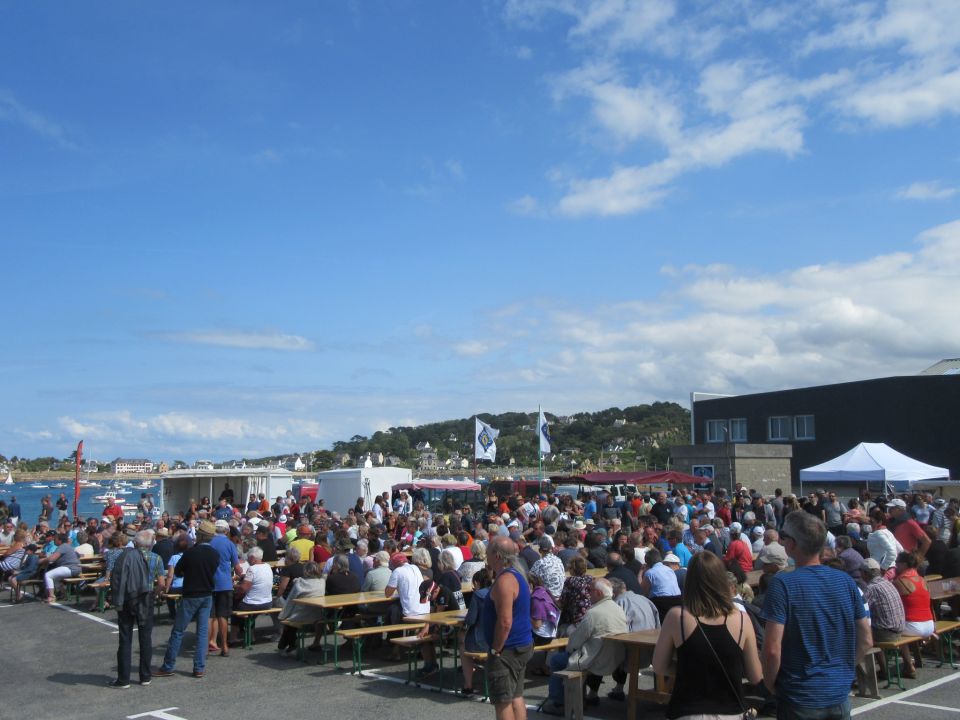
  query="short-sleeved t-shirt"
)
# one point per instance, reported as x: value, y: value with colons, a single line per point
x: 406, y: 579
x: 68, y: 556
x: 223, y: 578
x: 818, y: 607
x: 260, y: 577
x: 909, y: 534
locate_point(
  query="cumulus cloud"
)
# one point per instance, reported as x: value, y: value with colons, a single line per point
x: 723, y: 329
x: 245, y: 340
x: 701, y: 83
x: 927, y: 191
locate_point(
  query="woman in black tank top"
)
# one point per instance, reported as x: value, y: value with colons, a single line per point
x: 714, y: 644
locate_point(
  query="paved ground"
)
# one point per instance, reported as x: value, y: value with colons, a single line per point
x: 56, y: 663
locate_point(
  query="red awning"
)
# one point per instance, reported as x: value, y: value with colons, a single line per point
x: 642, y: 477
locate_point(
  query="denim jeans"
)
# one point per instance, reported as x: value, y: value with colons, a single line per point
x: 786, y: 711
x: 191, y: 608
x: 557, y: 662
x: 136, y: 610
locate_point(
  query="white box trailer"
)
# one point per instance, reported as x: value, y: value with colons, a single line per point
x: 339, y: 489
x: 179, y: 487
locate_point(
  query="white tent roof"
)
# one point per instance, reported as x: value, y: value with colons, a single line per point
x: 873, y: 462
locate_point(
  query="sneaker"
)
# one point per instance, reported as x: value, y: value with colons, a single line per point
x: 117, y: 685
x: 144, y: 683
x: 198, y: 674
x: 617, y: 695
x: 467, y: 692
x: 160, y: 672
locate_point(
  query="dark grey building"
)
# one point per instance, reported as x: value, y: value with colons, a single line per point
x: 918, y: 415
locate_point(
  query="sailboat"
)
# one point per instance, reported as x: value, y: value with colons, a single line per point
x: 9, y: 480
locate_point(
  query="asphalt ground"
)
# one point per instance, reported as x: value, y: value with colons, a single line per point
x: 56, y: 662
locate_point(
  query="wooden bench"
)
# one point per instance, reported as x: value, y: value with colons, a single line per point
x: 572, y: 693
x: 893, y: 647
x: 249, y: 618
x: 412, y: 643
x: 944, y: 630
x: 24, y: 584
x: 867, y: 683
x: 359, y: 634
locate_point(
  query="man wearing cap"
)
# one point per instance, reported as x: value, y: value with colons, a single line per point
x: 198, y: 568
x: 223, y: 586
x: 907, y: 531
x: 772, y: 557
x: 938, y: 520
x: 164, y: 545
x: 404, y: 587
x: 304, y: 542
x: 658, y: 580
x: 887, y: 616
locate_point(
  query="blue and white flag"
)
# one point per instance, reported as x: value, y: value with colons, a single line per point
x: 543, y: 431
x: 485, y: 445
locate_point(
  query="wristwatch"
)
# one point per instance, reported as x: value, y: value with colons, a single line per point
x: 496, y: 653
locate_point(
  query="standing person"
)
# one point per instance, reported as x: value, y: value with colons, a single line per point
x: 198, y: 568
x: 507, y: 631
x: 62, y: 506
x: 817, y: 629
x: 223, y: 587
x: 46, y: 509
x: 714, y: 642
x: 133, y: 580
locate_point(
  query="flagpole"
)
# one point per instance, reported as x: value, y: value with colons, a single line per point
x: 539, y: 454
x: 474, y: 448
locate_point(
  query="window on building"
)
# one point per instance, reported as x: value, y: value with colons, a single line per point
x: 778, y: 427
x: 716, y: 431
x: 738, y: 429
x: 803, y: 428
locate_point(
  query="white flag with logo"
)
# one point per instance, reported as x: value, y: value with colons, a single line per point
x: 486, y: 441
x: 543, y: 430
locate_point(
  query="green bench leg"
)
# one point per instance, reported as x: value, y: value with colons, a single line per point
x: 248, y: 631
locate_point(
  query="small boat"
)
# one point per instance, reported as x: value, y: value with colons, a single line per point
x: 9, y: 480
x: 38, y: 486
x: 106, y: 497
x: 129, y: 509
x: 59, y: 485
x: 145, y: 485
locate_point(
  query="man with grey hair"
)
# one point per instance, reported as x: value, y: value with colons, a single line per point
x: 586, y: 649
x: 641, y: 614
x: 136, y: 574
x: 817, y: 630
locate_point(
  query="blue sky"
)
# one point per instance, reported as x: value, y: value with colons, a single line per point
x: 243, y: 229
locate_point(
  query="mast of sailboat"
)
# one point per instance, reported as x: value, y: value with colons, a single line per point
x: 76, y: 479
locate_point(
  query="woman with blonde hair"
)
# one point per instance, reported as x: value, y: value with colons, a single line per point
x: 714, y: 643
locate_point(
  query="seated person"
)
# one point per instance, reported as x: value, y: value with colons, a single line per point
x: 586, y: 649
x: 471, y: 637
x: 255, y: 591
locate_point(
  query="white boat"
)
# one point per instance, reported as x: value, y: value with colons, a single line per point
x: 38, y: 486
x: 145, y: 485
x: 9, y: 480
x: 88, y: 484
x: 59, y: 485
x: 106, y: 497
x: 129, y: 509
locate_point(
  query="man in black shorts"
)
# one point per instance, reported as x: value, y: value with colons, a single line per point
x: 223, y: 587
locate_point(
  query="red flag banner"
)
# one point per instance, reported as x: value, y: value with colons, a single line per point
x: 76, y: 480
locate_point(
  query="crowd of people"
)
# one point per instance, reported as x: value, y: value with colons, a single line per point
x: 856, y: 570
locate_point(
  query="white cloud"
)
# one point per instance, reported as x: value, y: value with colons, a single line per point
x: 715, y: 90
x: 245, y: 340
x: 471, y: 348
x: 12, y: 110
x: 927, y: 191
x: 524, y: 53
x: 722, y: 329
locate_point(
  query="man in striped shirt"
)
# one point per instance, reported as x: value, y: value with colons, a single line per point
x: 817, y: 629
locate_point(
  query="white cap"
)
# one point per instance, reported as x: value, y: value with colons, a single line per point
x: 671, y: 558
x: 222, y: 524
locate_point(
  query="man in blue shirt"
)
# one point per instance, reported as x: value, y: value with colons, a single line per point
x: 223, y: 587
x: 589, y: 507
x: 14, y: 511
x: 817, y: 629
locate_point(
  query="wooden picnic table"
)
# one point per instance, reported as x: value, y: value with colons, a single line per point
x: 940, y: 590
x: 447, y: 617
x: 635, y: 642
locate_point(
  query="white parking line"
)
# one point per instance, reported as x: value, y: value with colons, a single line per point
x: 86, y: 616
x: 926, y: 705
x: 904, y: 695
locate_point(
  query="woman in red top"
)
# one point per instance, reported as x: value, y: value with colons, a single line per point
x: 916, y: 604
x: 739, y: 549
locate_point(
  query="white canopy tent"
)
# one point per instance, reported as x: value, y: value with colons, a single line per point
x: 874, y: 463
